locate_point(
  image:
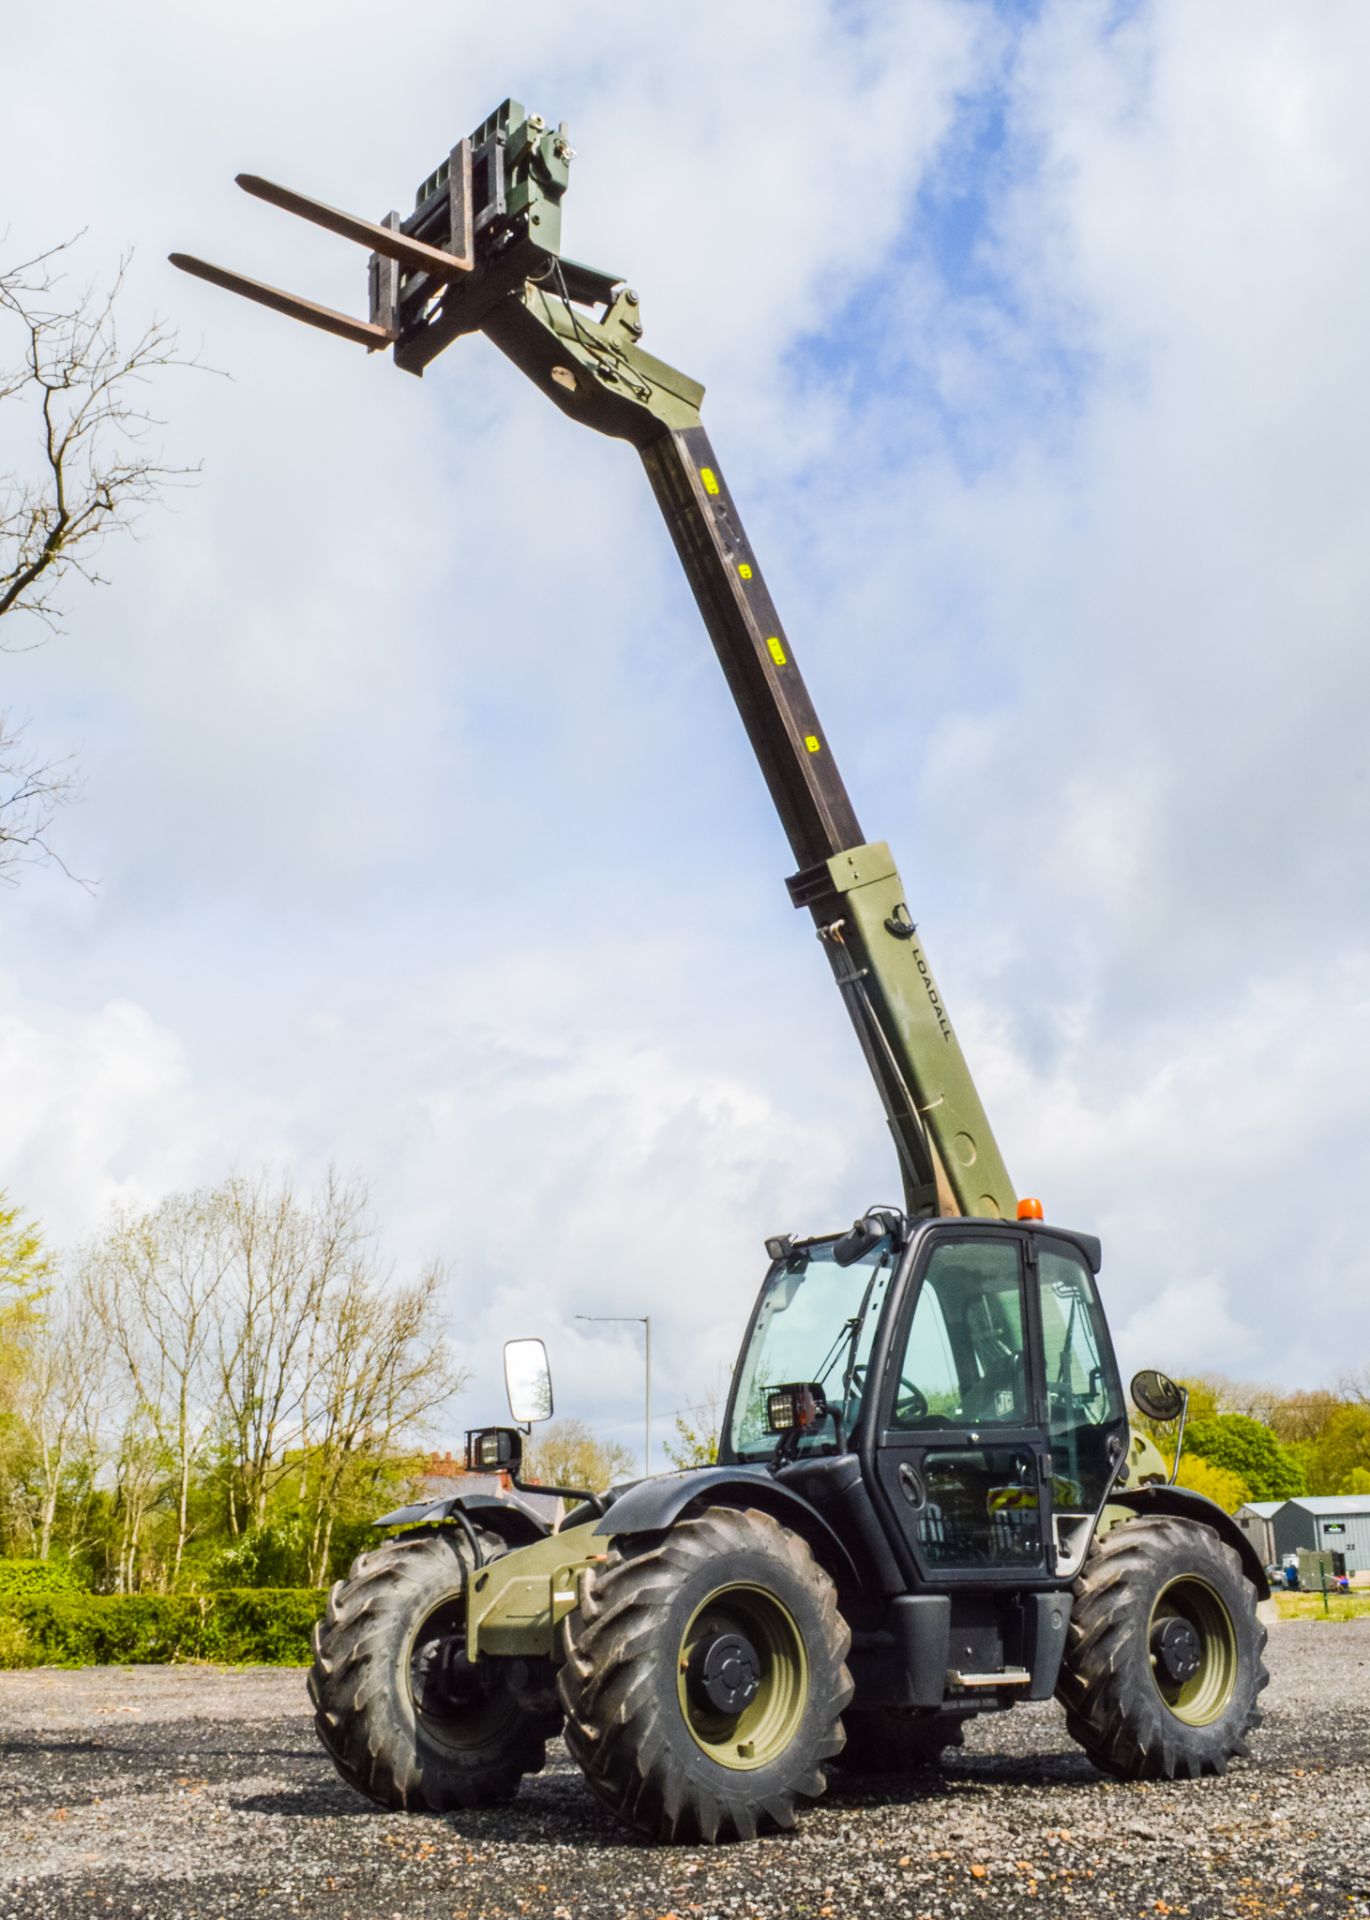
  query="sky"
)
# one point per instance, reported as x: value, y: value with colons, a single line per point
x: 427, y: 842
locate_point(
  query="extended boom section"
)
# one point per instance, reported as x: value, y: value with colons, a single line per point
x: 481, y: 252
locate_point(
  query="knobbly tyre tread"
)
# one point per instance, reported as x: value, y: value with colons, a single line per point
x: 1112, y: 1709
x: 885, y: 1740
x: 617, y: 1680
x: 359, y: 1684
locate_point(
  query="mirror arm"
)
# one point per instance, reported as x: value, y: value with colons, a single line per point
x: 1179, y: 1437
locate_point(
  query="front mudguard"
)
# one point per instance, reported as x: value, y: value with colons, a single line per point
x: 515, y: 1524
x: 650, y: 1506
x: 1185, y: 1504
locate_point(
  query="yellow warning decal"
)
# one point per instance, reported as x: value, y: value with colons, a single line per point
x: 710, y: 479
x: 745, y: 571
x: 812, y: 742
x: 1011, y: 1500
x: 778, y: 655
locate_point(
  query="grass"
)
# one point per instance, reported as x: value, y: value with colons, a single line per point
x: 1340, y: 1606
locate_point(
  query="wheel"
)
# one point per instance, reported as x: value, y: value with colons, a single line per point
x: 885, y: 1740
x: 704, y: 1678
x: 406, y: 1719
x: 1163, y: 1662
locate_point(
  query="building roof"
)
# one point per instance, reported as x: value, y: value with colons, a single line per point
x: 1356, y: 1503
x: 1265, y: 1509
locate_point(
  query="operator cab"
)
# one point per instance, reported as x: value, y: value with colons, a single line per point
x: 967, y: 1365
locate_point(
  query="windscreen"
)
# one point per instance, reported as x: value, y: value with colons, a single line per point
x: 816, y: 1322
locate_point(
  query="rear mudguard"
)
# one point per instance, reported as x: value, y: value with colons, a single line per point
x: 1185, y: 1504
x: 652, y: 1505
x: 510, y: 1519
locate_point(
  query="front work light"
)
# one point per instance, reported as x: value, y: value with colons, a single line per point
x: 797, y: 1408
x: 494, y: 1450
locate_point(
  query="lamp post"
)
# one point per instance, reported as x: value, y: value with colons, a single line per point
x: 643, y: 1320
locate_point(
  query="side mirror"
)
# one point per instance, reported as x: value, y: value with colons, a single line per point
x: 494, y: 1450
x: 527, y: 1381
x: 864, y: 1234
x: 1157, y: 1395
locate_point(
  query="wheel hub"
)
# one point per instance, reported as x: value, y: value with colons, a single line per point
x: 1177, y: 1649
x: 725, y: 1673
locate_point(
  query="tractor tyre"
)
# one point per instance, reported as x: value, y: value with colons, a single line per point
x: 704, y: 1678
x: 885, y: 1740
x: 1163, y: 1662
x: 406, y: 1719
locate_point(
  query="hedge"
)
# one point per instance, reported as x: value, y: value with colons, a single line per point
x: 19, y: 1579
x: 240, y: 1626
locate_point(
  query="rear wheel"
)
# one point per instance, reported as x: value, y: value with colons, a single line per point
x: 885, y: 1740
x: 704, y: 1678
x: 405, y: 1717
x: 1163, y: 1666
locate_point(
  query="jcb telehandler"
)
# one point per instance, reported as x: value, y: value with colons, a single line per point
x: 926, y: 1504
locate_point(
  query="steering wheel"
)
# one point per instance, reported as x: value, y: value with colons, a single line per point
x: 910, y: 1402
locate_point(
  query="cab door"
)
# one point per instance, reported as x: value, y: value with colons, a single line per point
x: 960, y: 1449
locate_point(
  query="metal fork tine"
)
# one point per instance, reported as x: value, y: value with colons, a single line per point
x: 417, y: 255
x: 327, y: 319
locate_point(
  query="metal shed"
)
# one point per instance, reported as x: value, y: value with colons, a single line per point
x: 1255, y: 1520
x: 1340, y: 1522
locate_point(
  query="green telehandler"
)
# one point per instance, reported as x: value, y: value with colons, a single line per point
x: 927, y: 1503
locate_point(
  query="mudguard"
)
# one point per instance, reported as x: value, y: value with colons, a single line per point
x: 512, y: 1521
x: 1185, y: 1504
x: 650, y: 1505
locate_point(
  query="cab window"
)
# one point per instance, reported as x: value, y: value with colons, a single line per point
x: 1084, y: 1408
x: 965, y: 1363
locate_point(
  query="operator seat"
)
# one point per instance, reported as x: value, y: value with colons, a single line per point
x: 1000, y: 1393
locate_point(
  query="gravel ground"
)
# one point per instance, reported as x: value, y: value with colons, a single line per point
x: 183, y: 1793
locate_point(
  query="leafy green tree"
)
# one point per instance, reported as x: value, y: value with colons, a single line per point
x: 694, y: 1444
x: 1216, y: 1483
x: 1247, y: 1448
x: 1340, y: 1452
x: 25, y: 1274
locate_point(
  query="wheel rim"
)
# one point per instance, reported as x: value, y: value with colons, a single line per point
x: 742, y: 1621
x: 461, y: 1705
x: 1191, y: 1628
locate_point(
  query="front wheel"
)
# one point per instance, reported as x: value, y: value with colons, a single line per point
x: 704, y: 1678
x: 1163, y: 1666
x: 405, y: 1717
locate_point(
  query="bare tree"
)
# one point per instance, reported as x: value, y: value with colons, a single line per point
x: 382, y: 1366
x: 154, y: 1282
x: 73, y: 394
x: 284, y: 1257
x: 62, y: 1402
x: 565, y: 1453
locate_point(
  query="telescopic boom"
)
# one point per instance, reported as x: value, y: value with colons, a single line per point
x: 481, y: 253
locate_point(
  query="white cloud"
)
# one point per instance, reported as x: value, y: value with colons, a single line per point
x: 428, y: 839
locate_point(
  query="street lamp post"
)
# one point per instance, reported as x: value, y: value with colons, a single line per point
x: 643, y: 1320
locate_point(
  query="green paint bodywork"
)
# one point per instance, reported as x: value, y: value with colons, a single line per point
x: 514, y: 1606
x: 914, y: 1017
x: 594, y: 370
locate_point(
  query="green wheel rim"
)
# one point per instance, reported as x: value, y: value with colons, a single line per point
x: 765, y: 1727
x: 1207, y: 1694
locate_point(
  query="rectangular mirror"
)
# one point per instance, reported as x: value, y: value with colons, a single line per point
x: 527, y: 1381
